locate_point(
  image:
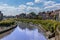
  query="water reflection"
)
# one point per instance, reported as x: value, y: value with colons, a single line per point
x: 6, y: 33
x: 26, y: 34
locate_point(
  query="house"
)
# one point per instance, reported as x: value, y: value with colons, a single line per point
x: 54, y: 15
x: 44, y: 15
x: 57, y: 12
x: 1, y: 15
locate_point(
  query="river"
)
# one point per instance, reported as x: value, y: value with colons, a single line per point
x: 24, y: 34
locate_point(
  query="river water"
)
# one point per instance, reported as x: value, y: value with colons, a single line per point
x: 24, y: 34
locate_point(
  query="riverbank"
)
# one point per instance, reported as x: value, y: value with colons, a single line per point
x: 6, y: 25
x: 6, y: 30
x: 32, y: 26
x: 47, y: 26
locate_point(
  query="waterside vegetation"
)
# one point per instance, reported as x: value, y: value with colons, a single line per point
x: 48, y: 25
x: 7, y: 22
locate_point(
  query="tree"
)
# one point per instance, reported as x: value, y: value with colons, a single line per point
x: 32, y: 15
x: 22, y: 15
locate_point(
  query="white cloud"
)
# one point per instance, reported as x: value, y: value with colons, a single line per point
x: 30, y: 3
x: 51, y: 5
x: 12, y: 10
x: 46, y: 3
x: 38, y: 1
x: 35, y: 9
x: 7, y: 10
x: 21, y: 8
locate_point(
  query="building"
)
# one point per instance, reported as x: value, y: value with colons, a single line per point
x: 54, y: 15
x: 1, y: 15
x: 57, y: 12
x: 44, y: 15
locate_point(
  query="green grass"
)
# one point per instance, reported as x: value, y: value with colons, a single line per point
x: 7, y: 22
x: 48, y: 25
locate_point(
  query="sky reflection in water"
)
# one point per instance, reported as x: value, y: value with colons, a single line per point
x: 26, y: 34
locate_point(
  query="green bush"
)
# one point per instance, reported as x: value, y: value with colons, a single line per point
x: 7, y: 22
x: 49, y: 25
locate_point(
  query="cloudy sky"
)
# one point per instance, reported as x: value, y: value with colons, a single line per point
x: 14, y: 7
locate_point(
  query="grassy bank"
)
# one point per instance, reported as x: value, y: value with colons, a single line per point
x: 48, y: 25
x: 6, y: 25
x: 7, y: 22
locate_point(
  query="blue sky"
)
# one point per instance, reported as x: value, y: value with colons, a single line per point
x: 14, y: 7
x: 15, y: 2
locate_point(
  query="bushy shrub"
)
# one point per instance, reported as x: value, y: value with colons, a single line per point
x: 49, y: 25
x: 6, y: 22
